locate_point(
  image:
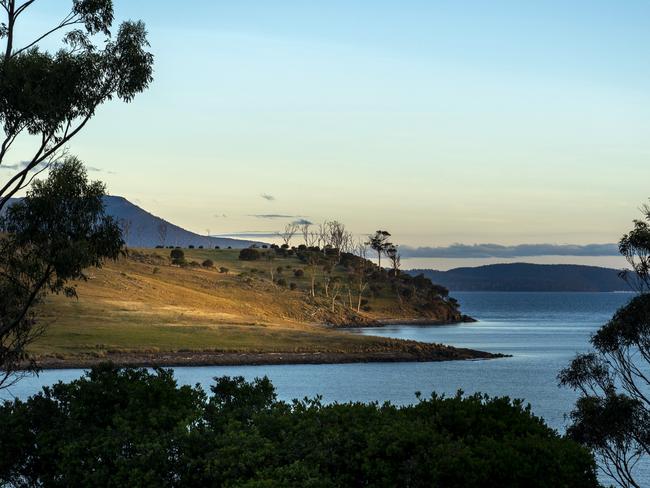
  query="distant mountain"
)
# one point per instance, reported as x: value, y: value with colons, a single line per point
x: 528, y: 277
x: 141, y: 228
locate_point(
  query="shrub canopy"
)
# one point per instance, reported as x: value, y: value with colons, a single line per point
x: 132, y: 427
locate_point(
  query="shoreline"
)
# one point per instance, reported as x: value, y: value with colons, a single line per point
x: 465, y: 319
x: 420, y: 353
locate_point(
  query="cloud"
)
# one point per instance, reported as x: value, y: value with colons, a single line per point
x: 267, y: 197
x: 275, y: 216
x: 248, y: 234
x: 302, y: 222
x: 18, y: 166
x: 23, y: 164
x: 499, y: 251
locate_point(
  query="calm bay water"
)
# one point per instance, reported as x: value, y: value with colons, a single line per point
x: 542, y: 332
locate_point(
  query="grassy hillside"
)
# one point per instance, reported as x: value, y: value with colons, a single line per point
x: 143, y: 304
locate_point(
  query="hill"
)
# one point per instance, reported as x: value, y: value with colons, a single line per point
x: 528, y: 277
x: 143, y: 229
x: 145, y: 310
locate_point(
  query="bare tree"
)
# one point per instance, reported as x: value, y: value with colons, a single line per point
x: 336, y: 287
x: 287, y: 234
x: 314, y: 259
x: 361, y: 271
x: 270, y: 257
x: 125, y: 227
x: 310, y: 237
x: 162, y: 233
x: 337, y: 236
x: 139, y: 234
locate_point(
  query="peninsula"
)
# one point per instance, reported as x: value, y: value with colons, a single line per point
x: 265, y: 305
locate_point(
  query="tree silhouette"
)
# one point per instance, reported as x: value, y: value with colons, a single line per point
x: 53, y: 96
x: 612, y: 414
x: 379, y: 242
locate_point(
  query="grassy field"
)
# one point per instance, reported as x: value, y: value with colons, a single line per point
x: 144, y: 304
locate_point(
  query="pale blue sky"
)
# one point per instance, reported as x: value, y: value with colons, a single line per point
x: 507, y: 122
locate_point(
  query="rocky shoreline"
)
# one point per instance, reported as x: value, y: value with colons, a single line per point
x: 411, y: 351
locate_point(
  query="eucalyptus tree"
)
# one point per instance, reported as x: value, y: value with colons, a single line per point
x: 49, y: 97
x: 612, y: 413
x: 52, y: 235
x: 392, y: 253
x: 379, y: 243
x: 46, y: 99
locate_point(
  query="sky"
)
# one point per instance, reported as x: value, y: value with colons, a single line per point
x: 443, y: 122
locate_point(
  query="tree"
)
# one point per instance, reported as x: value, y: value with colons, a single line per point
x: 51, y: 97
x: 53, y: 234
x: 269, y: 256
x: 313, y: 259
x: 125, y: 229
x: 612, y: 414
x: 392, y: 252
x: 360, y: 272
x: 287, y: 234
x: 177, y: 256
x: 337, y: 236
x: 379, y: 242
x: 162, y: 232
x: 208, y: 263
x: 310, y: 237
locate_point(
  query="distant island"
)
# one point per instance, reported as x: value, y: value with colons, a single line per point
x: 528, y: 277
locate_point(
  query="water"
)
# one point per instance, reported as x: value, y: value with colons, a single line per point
x: 542, y: 332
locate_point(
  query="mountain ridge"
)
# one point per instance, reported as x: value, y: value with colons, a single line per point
x: 140, y: 228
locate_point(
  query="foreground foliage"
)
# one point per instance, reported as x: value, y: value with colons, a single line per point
x: 612, y: 414
x: 131, y: 427
x: 51, y: 236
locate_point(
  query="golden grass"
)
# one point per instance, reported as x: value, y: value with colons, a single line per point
x: 145, y: 304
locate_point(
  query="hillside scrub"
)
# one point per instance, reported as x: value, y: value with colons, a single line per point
x: 132, y: 427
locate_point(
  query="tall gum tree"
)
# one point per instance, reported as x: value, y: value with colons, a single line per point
x: 51, y: 96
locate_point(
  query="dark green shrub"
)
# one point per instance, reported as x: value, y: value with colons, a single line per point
x: 281, y: 282
x: 298, y: 273
x: 249, y: 254
x: 292, y: 286
x: 133, y: 427
x: 208, y: 263
x: 223, y: 269
x: 177, y: 256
